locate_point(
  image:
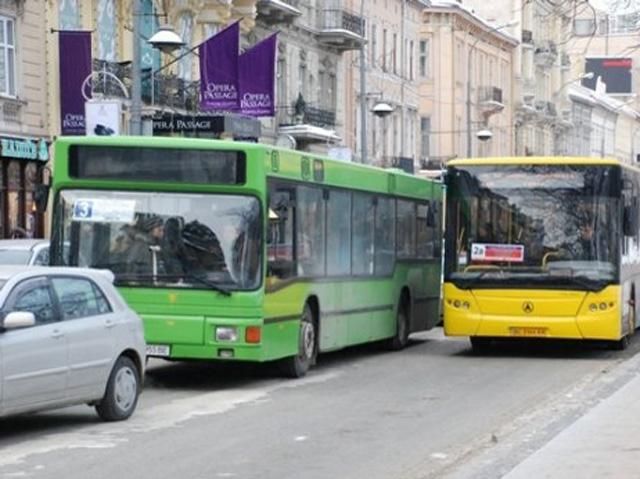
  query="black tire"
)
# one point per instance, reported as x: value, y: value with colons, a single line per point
x: 401, y: 338
x: 480, y: 345
x: 621, y: 344
x: 298, y: 365
x: 123, y: 389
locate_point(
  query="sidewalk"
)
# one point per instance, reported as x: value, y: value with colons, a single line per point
x: 604, y: 443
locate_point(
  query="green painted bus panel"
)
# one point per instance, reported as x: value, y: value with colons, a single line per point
x: 352, y: 310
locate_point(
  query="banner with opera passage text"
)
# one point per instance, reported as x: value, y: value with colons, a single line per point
x: 74, y: 47
x: 219, y: 70
x: 257, y: 74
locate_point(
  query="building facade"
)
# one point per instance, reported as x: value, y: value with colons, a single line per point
x: 389, y: 67
x: 313, y: 37
x: 541, y: 69
x: 465, y: 67
x: 24, y: 132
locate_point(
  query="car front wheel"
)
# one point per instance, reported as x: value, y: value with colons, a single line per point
x: 121, y: 396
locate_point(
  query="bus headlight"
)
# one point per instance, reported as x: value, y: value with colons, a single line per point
x: 226, y: 333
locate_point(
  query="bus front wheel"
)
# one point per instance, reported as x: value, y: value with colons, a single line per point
x: 298, y: 365
x: 401, y: 338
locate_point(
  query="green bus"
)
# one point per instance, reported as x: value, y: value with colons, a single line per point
x: 244, y: 251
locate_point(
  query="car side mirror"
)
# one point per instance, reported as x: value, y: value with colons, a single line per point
x: 19, y: 319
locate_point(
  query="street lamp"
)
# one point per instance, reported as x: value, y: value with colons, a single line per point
x: 471, y: 48
x: 166, y: 40
x: 584, y: 76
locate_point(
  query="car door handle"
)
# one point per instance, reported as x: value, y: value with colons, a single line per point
x: 109, y: 323
x: 56, y: 333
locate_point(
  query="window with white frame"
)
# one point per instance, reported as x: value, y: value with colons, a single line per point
x: 7, y: 56
x: 424, y: 58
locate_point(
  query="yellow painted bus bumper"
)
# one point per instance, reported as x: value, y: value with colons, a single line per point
x: 533, y: 313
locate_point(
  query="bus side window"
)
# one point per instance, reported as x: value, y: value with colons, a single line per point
x: 280, y: 258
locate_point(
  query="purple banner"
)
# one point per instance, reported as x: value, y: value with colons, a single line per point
x: 257, y: 72
x: 219, y: 70
x: 74, y: 48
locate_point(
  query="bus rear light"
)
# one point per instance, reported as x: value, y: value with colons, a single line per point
x: 253, y: 334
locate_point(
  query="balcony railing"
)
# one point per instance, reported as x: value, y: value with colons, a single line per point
x: 278, y: 11
x: 310, y: 115
x: 546, y: 52
x: 546, y: 108
x: 340, y: 28
x: 106, y: 85
x: 490, y: 94
x: 171, y: 91
x: 159, y: 89
x: 405, y: 163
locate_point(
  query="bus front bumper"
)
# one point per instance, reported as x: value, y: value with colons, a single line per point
x: 533, y: 313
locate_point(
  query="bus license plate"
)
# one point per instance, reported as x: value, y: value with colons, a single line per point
x: 160, y: 350
x: 528, y: 331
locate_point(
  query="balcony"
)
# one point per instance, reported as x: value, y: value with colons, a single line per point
x: 171, y: 91
x: 546, y: 108
x: 340, y: 29
x: 105, y: 85
x: 527, y: 38
x: 277, y: 11
x: 490, y: 98
x: 308, y: 124
x: 404, y: 163
x: 546, y: 53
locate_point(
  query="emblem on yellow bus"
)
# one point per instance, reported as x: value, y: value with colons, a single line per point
x: 527, y: 307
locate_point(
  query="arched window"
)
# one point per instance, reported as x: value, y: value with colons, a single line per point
x: 69, y: 15
x: 149, y: 56
x: 106, y: 21
x: 185, y: 26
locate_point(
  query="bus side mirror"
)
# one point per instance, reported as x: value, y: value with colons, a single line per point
x: 41, y: 197
x: 630, y: 220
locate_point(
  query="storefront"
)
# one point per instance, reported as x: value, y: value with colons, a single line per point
x: 22, y: 164
x: 208, y: 126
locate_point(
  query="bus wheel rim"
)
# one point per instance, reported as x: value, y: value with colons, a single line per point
x: 308, y: 340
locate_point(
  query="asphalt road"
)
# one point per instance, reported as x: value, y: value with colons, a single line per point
x: 433, y: 410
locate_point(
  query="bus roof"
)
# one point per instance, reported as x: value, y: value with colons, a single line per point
x: 335, y: 172
x: 536, y: 160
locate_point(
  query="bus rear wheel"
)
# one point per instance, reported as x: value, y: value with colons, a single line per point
x: 401, y: 338
x: 298, y: 365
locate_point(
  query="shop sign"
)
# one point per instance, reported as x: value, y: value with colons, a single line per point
x: 25, y: 149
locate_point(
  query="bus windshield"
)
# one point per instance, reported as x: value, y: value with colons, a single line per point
x: 163, y: 239
x: 533, y: 226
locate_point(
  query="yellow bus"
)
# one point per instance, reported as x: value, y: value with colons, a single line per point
x: 541, y: 247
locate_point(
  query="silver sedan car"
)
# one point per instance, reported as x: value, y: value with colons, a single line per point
x: 67, y: 337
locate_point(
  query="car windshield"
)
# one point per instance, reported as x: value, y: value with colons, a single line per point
x: 162, y: 239
x: 15, y: 256
x: 532, y: 226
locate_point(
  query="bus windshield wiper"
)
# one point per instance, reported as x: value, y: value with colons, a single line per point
x: 207, y: 282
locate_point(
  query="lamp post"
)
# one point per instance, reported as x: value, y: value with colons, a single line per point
x: 135, y: 121
x: 471, y: 48
x: 166, y: 40
x: 363, y: 93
